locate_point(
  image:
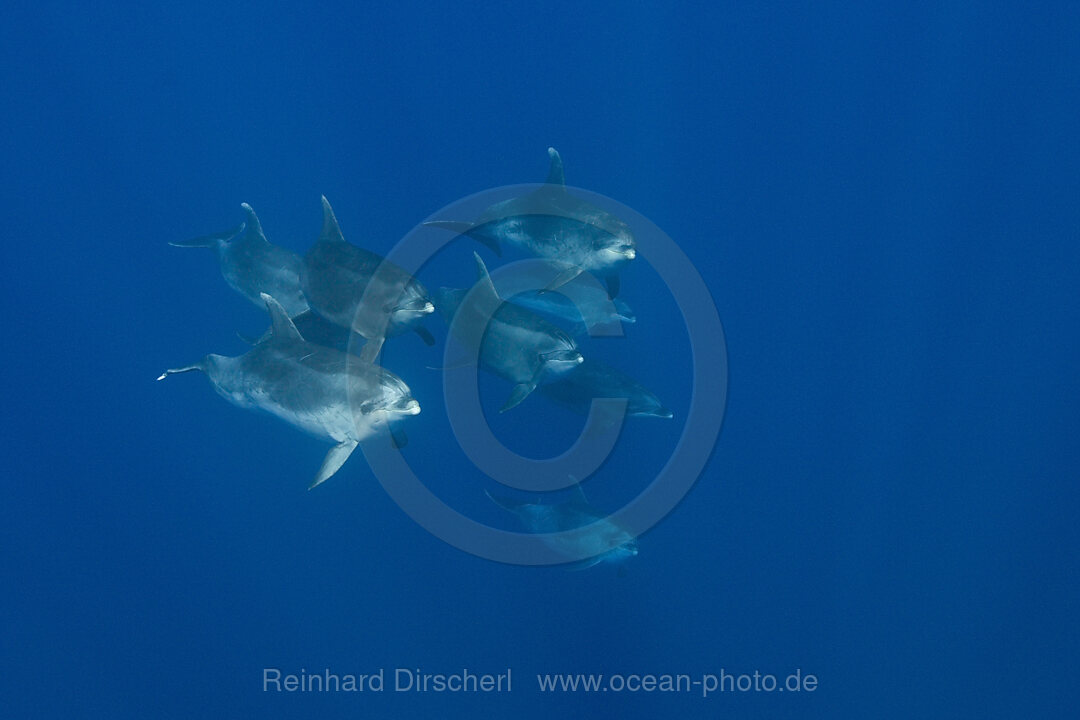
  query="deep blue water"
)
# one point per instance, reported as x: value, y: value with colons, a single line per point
x: 883, y: 200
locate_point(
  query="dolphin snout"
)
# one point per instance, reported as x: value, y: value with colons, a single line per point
x: 410, y: 408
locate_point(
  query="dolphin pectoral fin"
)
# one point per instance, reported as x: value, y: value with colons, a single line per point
x: 216, y: 240
x: 465, y: 228
x: 562, y: 278
x: 584, y: 564
x: 520, y: 392
x: 371, y: 349
x: 333, y: 462
x: 612, y: 286
x: 425, y: 335
x: 398, y: 437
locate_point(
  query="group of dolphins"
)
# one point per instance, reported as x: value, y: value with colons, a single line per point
x: 302, y: 372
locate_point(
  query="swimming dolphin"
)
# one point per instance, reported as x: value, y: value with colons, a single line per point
x: 604, y: 541
x: 581, y: 303
x: 595, y: 379
x: 357, y: 289
x: 252, y: 265
x: 552, y: 223
x: 517, y: 344
x: 322, y: 391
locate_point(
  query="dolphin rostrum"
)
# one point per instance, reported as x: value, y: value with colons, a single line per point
x: 514, y: 343
x: 595, y: 379
x: 357, y: 289
x: 252, y: 265
x: 599, y: 540
x: 552, y: 223
x: 322, y: 391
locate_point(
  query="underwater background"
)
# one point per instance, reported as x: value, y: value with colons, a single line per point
x: 883, y: 199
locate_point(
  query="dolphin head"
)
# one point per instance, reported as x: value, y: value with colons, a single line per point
x: 618, y: 247
x: 392, y: 398
x: 564, y: 358
x: 413, y: 304
x: 625, y: 551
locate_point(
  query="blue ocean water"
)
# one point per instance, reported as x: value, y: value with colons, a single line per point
x: 881, y: 198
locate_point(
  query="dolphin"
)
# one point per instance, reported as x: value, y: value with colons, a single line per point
x: 581, y: 303
x: 252, y: 265
x: 595, y: 379
x: 552, y: 223
x: 514, y: 343
x: 357, y: 289
x: 604, y: 541
x: 322, y: 391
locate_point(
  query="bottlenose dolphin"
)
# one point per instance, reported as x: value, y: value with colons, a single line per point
x: 603, y: 541
x: 552, y: 223
x: 581, y: 303
x: 322, y: 391
x: 595, y: 379
x: 252, y: 265
x: 517, y: 344
x: 357, y: 289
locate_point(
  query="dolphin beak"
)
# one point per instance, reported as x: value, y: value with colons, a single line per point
x: 630, y: 253
x: 428, y: 308
x: 411, y: 408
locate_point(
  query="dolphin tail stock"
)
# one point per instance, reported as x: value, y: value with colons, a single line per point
x: 467, y: 228
x: 216, y: 241
x: 333, y: 462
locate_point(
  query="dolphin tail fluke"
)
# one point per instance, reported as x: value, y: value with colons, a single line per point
x: 465, y: 228
x: 215, y: 241
x: 333, y: 462
x: 520, y: 392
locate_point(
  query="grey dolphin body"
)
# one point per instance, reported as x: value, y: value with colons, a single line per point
x: 322, y: 391
x: 516, y: 344
x: 603, y: 541
x: 595, y: 379
x: 581, y: 303
x: 357, y: 289
x: 552, y: 223
x: 252, y: 265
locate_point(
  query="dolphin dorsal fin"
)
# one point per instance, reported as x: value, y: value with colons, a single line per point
x: 483, y: 280
x: 555, y: 174
x: 253, y: 231
x: 331, y: 232
x: 282, y: 327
